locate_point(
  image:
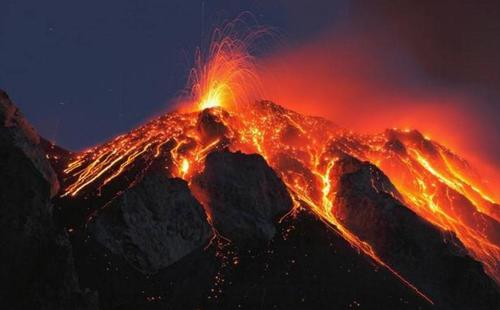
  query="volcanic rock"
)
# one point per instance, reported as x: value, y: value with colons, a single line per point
x: 244, y: 195
x: 18, y: 133
x: 36, y: 262
x: 210, y: 124
x: 435, y: 261
x: 306, y: 266
x: 309, y: 266
x: 57, y: 156
x: 153, y: 224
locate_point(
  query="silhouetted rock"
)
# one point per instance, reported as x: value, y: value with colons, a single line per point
x: 57, y: 156
x: 36, y: 262
x: 153, y: 224
x: 18, y: 133
x: 244, y: 195
x: 435, y: 261
x: 143, y: 241
x: 306, y: 266
x: 210, y: 124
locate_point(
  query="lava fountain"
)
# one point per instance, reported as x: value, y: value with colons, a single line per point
x: 225, y: 74
x: 434, y: 182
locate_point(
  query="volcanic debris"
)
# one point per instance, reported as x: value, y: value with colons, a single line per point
x: 232, y: 235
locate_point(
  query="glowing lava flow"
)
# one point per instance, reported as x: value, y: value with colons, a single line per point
x: 435, y: 183
x: 303, y: 150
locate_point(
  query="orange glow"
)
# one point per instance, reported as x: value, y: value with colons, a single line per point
x: 442, y: 188
x: 225, y: 74
x: 356, y: 79
x: 184, y: 167
x: 434, y: 182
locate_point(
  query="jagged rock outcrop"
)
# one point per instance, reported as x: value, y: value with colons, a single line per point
x: 435, y: 261
x: 18, y: 133
x: 153, y: 224
x: 36, y: 262
x: 143, y: 241
x: 244, y: 195
x: 210, y: 124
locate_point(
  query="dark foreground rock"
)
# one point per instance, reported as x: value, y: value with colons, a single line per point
x: 306, y: 266
x: 433, y: 260
x: 36, y: 262
x: 149, y: 248
x: 244, y: 196
x: 153, y: 224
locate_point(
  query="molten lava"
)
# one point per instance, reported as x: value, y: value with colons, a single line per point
x: 434, y: 182
x: 225, y: 74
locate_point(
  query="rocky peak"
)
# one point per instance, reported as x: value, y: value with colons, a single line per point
x: 243, y: 195
x: 20, y: 134
x: 152, y: 224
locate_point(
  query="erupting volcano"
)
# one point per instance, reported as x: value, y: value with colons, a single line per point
x: 408, y: 203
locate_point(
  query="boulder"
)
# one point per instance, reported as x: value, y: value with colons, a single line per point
x: 211, y: 124
x: 243, y: 196
x: 152, y: 224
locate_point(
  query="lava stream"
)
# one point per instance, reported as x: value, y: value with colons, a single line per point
x: 436, y: 184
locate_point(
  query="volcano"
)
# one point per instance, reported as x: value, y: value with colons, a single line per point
x: 249, y: 207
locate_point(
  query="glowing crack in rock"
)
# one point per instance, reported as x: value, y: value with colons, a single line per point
x: 434, y: 182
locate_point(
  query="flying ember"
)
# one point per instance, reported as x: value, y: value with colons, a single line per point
x: 225, y: 112
x: 225, y: 73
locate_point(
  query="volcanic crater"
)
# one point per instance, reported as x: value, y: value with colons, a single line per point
x: 254, y: 207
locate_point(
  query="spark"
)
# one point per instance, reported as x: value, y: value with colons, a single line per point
x: 301, y: 149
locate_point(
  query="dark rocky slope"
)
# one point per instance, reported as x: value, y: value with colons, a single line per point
x: 306, y: 266
x: 435, y: 261
x: 299, y: 264
x: 36, y: 259
x: 144, y: 241
x: 153, y: 224
x: 243, y: 195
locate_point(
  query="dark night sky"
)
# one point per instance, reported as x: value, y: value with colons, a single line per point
x: 83, y: 71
